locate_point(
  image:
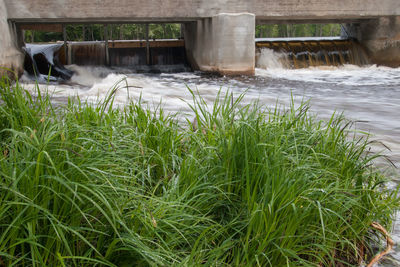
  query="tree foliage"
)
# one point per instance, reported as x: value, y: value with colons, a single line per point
x: 297, y: 30
x: 93, y: 32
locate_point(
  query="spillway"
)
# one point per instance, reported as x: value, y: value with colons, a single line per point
x: 45, y: 61
x: 163, y: 55
x: 299, y: 53
x: 170, y: 55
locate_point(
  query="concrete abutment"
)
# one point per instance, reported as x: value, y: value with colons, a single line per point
x: 223, y: 43
x: 11, y: 58
x: 380, y: 37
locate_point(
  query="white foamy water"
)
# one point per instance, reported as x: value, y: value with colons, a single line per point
x: 368, y: 95
x: 47, y: 50
x: 269, y: 59
x: 343, y: 75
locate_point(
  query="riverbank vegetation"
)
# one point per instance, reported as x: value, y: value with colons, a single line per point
x: 93, y: 185
x: 95, y: 32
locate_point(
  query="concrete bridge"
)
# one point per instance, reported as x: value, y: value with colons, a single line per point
x: 219, y: 34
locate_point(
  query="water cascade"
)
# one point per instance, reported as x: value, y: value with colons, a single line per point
x: 299, y: 53
x: 45, y: 62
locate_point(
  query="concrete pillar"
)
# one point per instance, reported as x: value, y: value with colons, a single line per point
x: 223, y: 43
x: 380, y: 37
x: 10, y: 56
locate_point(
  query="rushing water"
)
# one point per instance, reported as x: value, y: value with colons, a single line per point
x: 369, y: 95
x: 311, y: 52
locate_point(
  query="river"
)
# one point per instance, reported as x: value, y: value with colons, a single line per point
x: 368, y: 95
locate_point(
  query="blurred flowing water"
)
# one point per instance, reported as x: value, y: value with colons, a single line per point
x: 368, y: 95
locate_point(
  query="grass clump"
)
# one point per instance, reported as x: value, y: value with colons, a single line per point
x: 90, y: 185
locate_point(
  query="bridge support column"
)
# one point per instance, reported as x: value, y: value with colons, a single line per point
x: 10, y: 56
x: 381, y: 38
x: 222, y: 44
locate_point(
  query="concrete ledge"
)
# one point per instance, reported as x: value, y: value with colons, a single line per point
x: 250, y: 72
x: 12, y: 65
x: 229, y: 72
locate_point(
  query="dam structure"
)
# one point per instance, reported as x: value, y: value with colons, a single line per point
x: 219, y: 35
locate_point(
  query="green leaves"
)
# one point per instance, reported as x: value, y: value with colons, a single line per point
x: 297, y: 30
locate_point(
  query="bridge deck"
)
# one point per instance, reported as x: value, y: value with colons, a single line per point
x: 102, y: 11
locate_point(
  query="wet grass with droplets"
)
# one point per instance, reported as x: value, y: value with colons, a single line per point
x: 93, y: 185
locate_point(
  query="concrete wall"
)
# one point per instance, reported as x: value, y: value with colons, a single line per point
x: 224, y: 44
x: 184, y: 10
x: 381, y: 38
x: 10, y: 57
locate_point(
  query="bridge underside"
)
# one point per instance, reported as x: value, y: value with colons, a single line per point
x: 184, y: 10
x: 219, y: 34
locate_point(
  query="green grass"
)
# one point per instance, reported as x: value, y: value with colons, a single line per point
x: 92, y: 185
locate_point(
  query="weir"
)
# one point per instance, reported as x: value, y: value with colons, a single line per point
x: 128, y: 53
x: 219, y: 35
x: 311, y: 52
x: 42, y: 60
